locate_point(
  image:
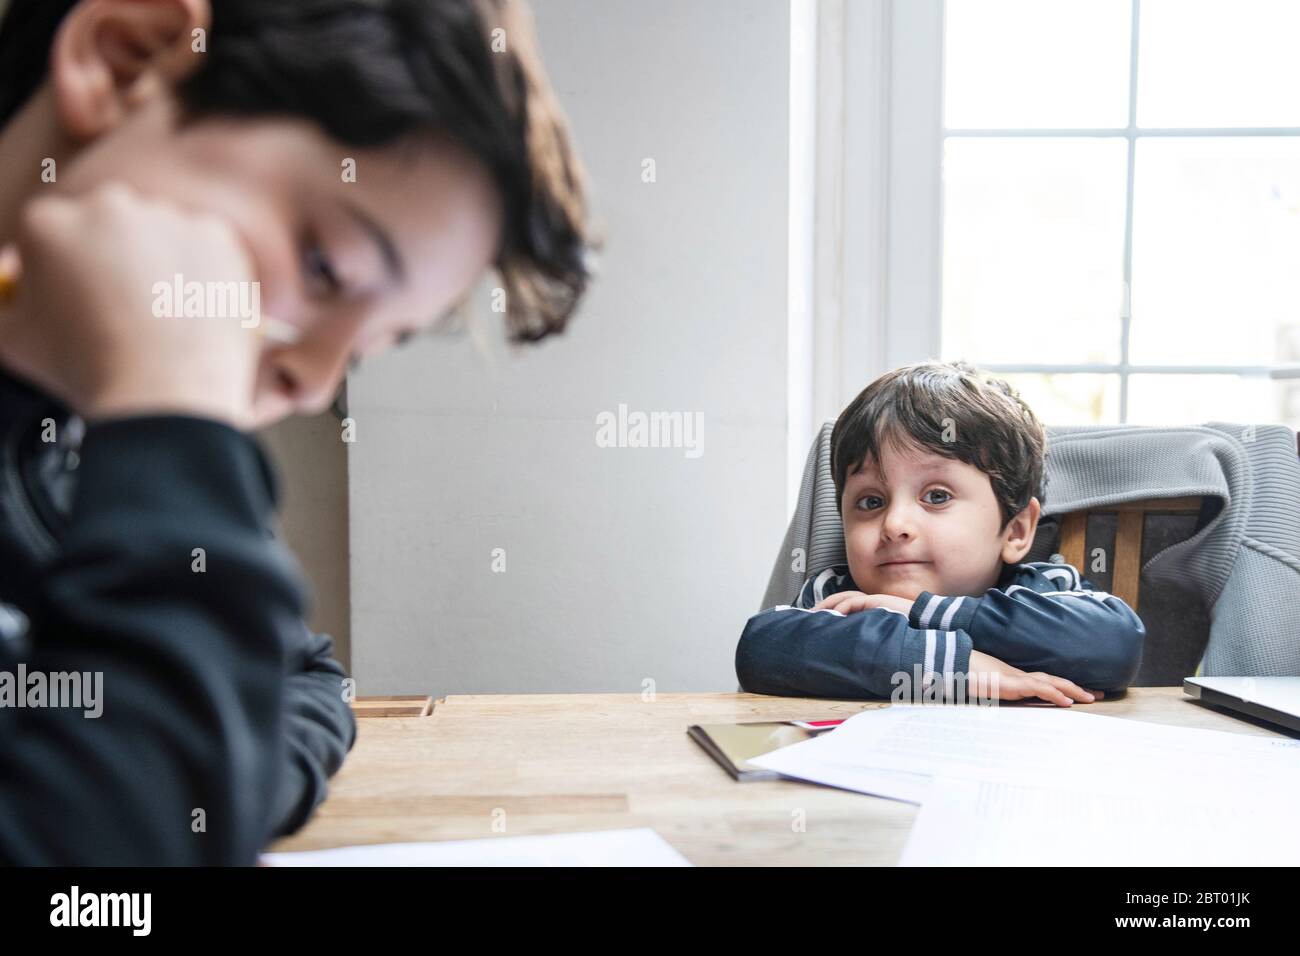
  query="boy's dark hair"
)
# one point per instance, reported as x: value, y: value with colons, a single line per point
x: 374, y: 72
x: 954, y: 410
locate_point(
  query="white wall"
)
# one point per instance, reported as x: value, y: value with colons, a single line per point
x: 621, y: 563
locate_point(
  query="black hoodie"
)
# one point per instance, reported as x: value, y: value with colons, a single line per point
x: 222, y: 714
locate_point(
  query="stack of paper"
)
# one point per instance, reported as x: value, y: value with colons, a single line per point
x: 1037, y: 785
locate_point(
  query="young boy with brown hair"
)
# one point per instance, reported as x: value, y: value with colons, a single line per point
x: 939, y: 472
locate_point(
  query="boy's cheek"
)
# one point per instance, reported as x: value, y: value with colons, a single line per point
x: 862, y: 569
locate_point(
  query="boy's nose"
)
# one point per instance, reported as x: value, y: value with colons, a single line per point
x: 308, y: 380
x: 897, y: 524
x: 306, y: 374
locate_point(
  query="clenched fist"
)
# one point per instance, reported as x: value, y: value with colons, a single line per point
x: 90, y: 322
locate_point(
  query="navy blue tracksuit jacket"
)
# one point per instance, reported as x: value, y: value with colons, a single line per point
x: 1039, y: 617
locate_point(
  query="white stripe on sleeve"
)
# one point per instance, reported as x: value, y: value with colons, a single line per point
x: 930, y: 607
x: 948, y: 615
x: 820, y: 584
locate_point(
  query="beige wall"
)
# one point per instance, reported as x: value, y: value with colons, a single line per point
x: 312, y: 463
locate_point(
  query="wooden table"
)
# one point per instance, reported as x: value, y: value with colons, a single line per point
x: 484, y: 766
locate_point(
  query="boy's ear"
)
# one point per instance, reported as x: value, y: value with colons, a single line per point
x: 109, y: 56
x: 1018, y: 537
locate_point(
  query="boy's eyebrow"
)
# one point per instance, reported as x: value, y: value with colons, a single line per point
x: 929, y: 467
x: 387, y: 248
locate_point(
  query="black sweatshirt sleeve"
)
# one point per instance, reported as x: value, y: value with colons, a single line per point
x: 321, y: 730
x: 184, y: 763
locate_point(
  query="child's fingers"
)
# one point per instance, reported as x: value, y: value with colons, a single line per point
x: 1056, y: 695
x: 1074, y: 690
x: 845, y: 602
x: 1068, y: 687
x: 1046, y: 690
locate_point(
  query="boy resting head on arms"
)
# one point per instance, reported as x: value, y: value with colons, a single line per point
x: 939, y: 473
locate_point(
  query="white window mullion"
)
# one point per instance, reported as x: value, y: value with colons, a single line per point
x: 879, y: 241
x: 1126, y: 294
x: 914, y: 277
x: 879, y: 250
x: 801, y: 373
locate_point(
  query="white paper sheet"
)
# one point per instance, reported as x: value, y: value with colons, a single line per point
x: 1046, y: 786
x: 981, y: 823
x: 832, y: 768
x: 632, y: 847
x: 1032, y: 746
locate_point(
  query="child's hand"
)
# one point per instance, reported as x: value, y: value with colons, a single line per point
x: 82, y: 324
x: 1015, y: 684
x: 849, y: 602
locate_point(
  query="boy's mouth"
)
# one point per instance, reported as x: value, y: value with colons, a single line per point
x: 892, y: 564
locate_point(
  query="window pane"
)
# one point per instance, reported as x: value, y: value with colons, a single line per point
x: 1218, y: 63
x: 1033, y: 249
x: 1075, y: 399
x: 1036, y: 64
x: 1216, y: 244
x: 1192, y: 399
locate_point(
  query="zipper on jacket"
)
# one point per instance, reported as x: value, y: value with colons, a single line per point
x: 38, y: 536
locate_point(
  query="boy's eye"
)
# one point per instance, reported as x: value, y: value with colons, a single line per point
x: 865, y: 502
x: 321, y: 276
x: 939, y: 491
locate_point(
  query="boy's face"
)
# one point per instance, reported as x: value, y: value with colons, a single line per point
x: 406, y: 240
x: 934, y: 525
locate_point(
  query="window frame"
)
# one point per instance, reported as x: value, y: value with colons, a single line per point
x: 901, y: 101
